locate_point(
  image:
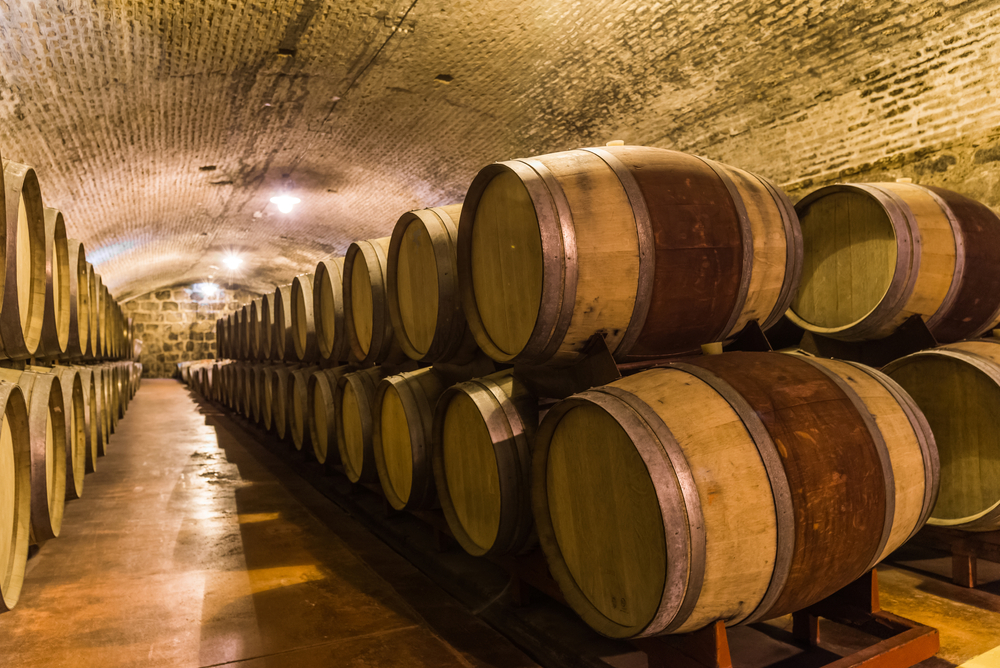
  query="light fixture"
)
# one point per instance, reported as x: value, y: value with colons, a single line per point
x: 285, y: 202
x: 232, y: 261
x: 206, y: 289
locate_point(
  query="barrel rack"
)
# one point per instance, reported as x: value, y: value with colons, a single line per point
x: 965, y: 547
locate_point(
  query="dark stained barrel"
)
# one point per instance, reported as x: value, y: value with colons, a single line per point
x: 658, y: 251
x: 754, y: 472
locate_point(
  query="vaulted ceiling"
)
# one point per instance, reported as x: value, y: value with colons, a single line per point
x: 163, y: 127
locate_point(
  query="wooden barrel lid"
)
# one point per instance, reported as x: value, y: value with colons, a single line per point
x: 79, y: 297
x: 417, y: 286
x: 24, y: 297
x: 322, y: 397
x: 471, y: 472
x: 395, y: 443
x: 507, y: 263
x: 56, y: 322
x: 328, y: 310
x: 15, y: 494
x: 606, y: 516
x: 958, y: 389
x: 850, y: 259
x: 361, y: 303
x: 352, y: 434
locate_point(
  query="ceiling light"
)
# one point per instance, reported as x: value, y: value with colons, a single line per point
x: 285, y: 202
x: 232, y: 261
x: 207, y: 289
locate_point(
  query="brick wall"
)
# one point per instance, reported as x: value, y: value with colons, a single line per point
x: 178, y: 324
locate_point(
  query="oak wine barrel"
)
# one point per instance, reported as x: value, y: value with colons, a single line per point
x: 280, y: 391
x: 297, y: 405
x: 957, y: 386
x: 323, y: 416
x: 483, y: 430
x: 303, y: 323
x: 56, y: 312
x: 15, y: 502
x: 253, y: 329
x: 403, y: 416
x: 103, y: 410
x: 267, y: 403
x: 879, y: 253
x: 266, y: 336
x: 718, y: 488
x: 425, y: 306
x: 91, y: 415
x: 284, y: 345
x: 47, y: 432
x: 94, y: 342
x: 353, y: 399
x: 75, y: 418
x: 24, y: 286
x: 657, y: 250
x: 328, y: 310
x: 79, y: 300
x: 366, y: 308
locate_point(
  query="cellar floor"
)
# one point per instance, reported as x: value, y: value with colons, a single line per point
x: 187, y: 550
x: 200, y: 542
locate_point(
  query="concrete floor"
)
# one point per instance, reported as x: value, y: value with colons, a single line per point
x: 190, y: 548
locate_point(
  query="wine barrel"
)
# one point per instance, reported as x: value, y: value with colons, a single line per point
x: 403, y: 415
x: 92, y: 415
x: 657, y: 250
x: 24, y: 286
x: 15, y: 503
x: 239, y: 388
x: 253, y: 329
x: 249, y: 390
x: 94, y: 342
x: 56, y: 312
x: 323, y: 416
x: 284, y: 345
x: 328, y: 310
x: 353, y: 400
x: 303, y: 324
x: 366, y: 309
x: 754, y: 472
x: 957, y: 386
x: 267, y: 400
x: 297, y: 405
x: 243, y: 324
x: 483, y: 430
x: 79, y: 300
x: 74, y: 415
x: 47, y: 432
x: 104, y: 419
x: 425, y: 307
x: 105, y: 324
x: 879, y: 253
x: 280, y: 393
x: 266, y: 336
x: 114, y: 398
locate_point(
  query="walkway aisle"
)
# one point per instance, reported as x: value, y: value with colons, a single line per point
x: 189, y: 548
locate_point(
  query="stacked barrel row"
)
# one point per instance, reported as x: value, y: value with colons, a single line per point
x: 56, y: 420
x: 710, y: 488
x: 56, y: 423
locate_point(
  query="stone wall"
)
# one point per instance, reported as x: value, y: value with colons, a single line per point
x: 178, y: 324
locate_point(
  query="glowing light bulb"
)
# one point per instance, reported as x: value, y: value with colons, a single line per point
x: 232, y: 261
x: 285, y: 202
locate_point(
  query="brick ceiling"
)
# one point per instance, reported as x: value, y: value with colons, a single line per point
x: 162, y: 127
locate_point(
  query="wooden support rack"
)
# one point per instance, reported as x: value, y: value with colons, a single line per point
x: 966, y: 548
